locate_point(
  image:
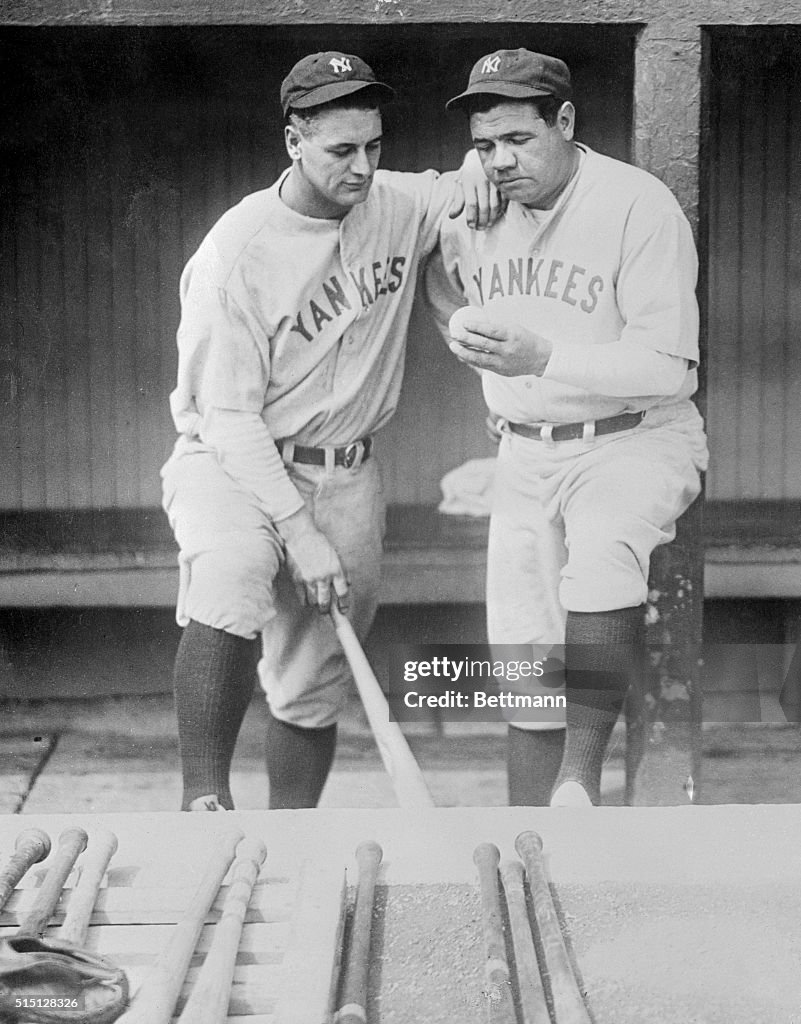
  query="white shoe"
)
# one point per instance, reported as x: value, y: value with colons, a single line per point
x: 571, y: 794
x: 207, y: 803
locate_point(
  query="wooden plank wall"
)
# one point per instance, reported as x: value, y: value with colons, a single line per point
x: 120, y: 148
x: 754, y: 359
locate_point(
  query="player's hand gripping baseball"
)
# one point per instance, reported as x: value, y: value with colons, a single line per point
x: 481, y: 201
x: 507, y: 349
x: 313, y: 562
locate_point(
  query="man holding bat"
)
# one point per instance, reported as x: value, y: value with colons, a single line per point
x: 583, y: 323
x: 294, y: 313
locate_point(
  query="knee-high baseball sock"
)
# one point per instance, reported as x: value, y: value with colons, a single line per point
x: 603, y: 653
x: 298, y: 762
x: 533, y: 759
x: 215, y: 675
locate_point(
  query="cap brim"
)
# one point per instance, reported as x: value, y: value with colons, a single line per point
x: 509, y: 90
x: 335, y: 90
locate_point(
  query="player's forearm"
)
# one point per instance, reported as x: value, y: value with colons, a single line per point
x: 621, y: 369
x: 247, y: 452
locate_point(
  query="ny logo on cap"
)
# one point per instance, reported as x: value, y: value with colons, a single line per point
x: 340, y: 64
x: 491, y: 65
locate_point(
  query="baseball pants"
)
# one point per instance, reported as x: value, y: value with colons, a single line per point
x: 574, y: 524
x: 233, y: 574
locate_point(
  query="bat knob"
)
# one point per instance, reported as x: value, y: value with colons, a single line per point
x: 34, y: 839
x: 528, y: 843
x: 74, y: 840
x: 486, y: 854
x: 369, y: 852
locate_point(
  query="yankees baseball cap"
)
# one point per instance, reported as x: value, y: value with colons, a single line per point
x: 516, y: 74
x: 322, y: 77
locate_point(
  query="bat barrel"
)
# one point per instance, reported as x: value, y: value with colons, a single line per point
x: 407, y: 779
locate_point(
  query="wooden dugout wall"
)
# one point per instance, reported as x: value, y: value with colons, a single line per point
x: 122, y: 147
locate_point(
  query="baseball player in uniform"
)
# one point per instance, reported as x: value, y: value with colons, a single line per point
x: 294, y: 312
x: 582, y: 321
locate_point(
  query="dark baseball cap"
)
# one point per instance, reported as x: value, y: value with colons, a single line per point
x: 322, y: 77
x: 518, y: 75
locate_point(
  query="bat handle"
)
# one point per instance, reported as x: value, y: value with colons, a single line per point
x: 71, y: 844
x: 486, y: 857
x: 102, y: 847
x: 32, y: 846
x: 567, y: 997
x: 154, y: 1001
x: 208, y: 1001
x: 353, y: 998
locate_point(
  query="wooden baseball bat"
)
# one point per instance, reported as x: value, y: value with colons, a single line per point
x: 71, y: 844
x: 75, y: 926
x: 353, y: 998
x: 569, y: 1007
x: 154, y: 1002
x: 31, y: 846
x: 498, y: 986
x: 208, y: 1001
x: 407, y: 779
x: 533, y: 1004
x: 62, y: 965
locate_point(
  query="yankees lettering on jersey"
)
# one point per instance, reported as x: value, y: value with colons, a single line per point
x: 545, y: 278
x: 614, y: 259
x: 381, y: 278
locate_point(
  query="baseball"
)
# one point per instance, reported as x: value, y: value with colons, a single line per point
x: 456, y: 326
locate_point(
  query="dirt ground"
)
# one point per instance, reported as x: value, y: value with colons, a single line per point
x: 121, y: 753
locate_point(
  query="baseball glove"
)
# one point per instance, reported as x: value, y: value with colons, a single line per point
x: 57, y: 983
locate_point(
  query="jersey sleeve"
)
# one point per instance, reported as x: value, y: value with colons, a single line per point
x: 223, y: 373
x: 656, y: 283
x: 442, y: 285
x: 222, y: 354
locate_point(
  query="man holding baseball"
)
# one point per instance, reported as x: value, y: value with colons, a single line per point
x: 294, y: 313
x: 583, y: 323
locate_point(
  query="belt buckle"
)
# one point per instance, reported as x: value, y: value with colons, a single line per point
x: 352, y: 455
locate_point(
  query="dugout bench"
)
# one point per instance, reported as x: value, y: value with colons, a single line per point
x: 127, y: 557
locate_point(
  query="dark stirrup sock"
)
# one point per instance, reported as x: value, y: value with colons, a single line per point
x: 298, y: 762
x: 603, y: 654
x: 215, y: 675
x: 533, y: 758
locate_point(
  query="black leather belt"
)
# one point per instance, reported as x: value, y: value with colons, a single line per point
x: 348, y: 456
x: 574, y: 431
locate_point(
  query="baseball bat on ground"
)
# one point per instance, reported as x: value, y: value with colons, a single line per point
x: 55, y: 982
x: 496, y: 969
x: 407, y: 779
x: 75, y: 927
x: 31, y: 846
x: 208, y: 1001
x: 71, y: 844
x: 154, y: 1002
x: 533, y: 1004
x: 353, y: 1000
x: 568, y: 1001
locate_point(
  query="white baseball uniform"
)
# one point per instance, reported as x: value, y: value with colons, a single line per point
x: 292, y: 328
x: 574, y: 522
